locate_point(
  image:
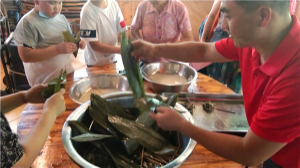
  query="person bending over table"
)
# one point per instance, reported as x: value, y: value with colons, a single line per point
x: 265, y: 39
x: 22, y: 152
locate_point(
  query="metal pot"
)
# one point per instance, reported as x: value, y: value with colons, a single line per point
x: 122, y: 99
x: 104, y: 81
x: 189, y: 73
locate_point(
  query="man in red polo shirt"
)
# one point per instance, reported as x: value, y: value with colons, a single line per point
x: 265, y: 38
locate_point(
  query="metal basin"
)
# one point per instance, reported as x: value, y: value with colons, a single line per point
x: 185, y: 71
x: 122, y: 99
x: 80, y: 91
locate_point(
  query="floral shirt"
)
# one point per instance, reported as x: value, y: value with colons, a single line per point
x: 162, y: 27
x: 11, y: 150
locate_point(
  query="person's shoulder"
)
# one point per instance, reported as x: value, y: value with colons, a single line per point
x: 143, y: 4
x: 62, y: 17
x: 29, y: 16
x: 87, y: 9
x: 115, y: 3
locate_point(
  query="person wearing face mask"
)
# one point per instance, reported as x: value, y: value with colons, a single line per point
x: 40, y: 42
x: 265, y: 38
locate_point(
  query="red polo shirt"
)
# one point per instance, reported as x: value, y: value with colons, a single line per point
x: 272, y: 93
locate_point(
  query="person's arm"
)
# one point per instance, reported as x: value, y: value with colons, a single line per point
x: 210, y: 19
x: 53, y: 107
x: 39, y: 54
x: 104, y: 48
x: 12, y: 101
x: 297, y: 10
x: 188, y: 36
x: 196, y: 51
x: 250, y: 150
x: 136, y: 34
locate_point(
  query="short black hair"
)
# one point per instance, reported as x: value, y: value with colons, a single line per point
x: 281, y: 6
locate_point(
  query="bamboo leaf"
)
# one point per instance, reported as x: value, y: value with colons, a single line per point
x: 132, y: 68
x: 90, y: 137
x: 58, y: 82
x: 145, y: 136
x: 98, y: 103
x: 101, y: 119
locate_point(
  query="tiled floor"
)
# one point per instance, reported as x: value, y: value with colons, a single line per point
x: 14, y: 115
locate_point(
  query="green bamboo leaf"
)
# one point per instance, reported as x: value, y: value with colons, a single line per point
x: 120, y: 162
x: 132, y: 68
x: 98, y: 103
x: 68, y: 36
x: 101, y: 119
x: 58, y: 82
x: 90, y: 137
x: 82, y: 129
x: 172, y: 100
x: 144, y: 135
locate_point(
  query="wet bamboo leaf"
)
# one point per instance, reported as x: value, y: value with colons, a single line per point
x: 121, y: 162
x: 101, y: 119
x: 98, y: 103
x: 130, y: 145
x: 82, y: 129
x: 132, y: 68
x: 90, y: 137
x: 145, y: 136
x: 172, y: 100
x: 158, y: 97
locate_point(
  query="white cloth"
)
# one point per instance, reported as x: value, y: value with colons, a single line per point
x: 35, y: 31
x: 102, y: 25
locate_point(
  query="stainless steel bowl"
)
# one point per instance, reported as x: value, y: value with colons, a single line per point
x: 105, y: 81
x: 189, y: 73
x: 122, y: 99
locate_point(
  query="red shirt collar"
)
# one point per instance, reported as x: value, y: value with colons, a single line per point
x: 287, y: 49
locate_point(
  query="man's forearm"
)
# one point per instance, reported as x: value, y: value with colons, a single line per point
x: 185, y: 51
x: 37, y: 55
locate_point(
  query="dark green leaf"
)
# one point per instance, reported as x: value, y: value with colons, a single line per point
x: 132, y: 68
x: 144, y: 135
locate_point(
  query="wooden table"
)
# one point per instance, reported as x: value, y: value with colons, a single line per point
x: 54, y: 155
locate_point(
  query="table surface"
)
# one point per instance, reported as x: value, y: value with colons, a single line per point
x: 53, y: 153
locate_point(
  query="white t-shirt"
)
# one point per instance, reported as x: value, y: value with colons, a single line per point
x: 103, y: 25
x: 35, y: 31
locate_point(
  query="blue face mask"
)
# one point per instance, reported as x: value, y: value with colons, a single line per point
x: 43, y: 15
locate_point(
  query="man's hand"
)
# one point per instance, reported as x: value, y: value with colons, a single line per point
x: 55, y: 104
x: 82, y: 44
x: 33, y: 95
x: 168, y: 119
x: 142, y: 49
x: 66, y: 47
